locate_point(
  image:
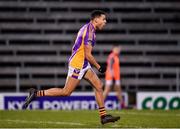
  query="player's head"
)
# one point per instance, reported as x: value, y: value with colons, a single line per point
x: 98, y: 17
x: 116, y: 49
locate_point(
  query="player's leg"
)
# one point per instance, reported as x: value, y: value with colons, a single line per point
x: 69, y: 87
x: 118, y: 90
x: 71, y: 82
x: 107, y: 88
x: 91, y: 77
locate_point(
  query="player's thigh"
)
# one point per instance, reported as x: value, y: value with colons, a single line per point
x: 71, y: 84
x: 91, y: 77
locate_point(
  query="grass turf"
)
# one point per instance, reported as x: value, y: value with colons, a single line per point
x: 89, y: 119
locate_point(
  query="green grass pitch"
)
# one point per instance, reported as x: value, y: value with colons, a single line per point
x: 89, y: 119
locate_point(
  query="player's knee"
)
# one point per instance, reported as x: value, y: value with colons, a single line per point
x: 66, y: 93
x: 100, y: 87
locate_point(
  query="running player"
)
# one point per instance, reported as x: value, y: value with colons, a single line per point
x: 80, y: 67
x: 113, y: 74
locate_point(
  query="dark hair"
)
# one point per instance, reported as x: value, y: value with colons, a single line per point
x: 96, y: 13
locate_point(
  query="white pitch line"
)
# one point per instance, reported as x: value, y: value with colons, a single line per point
x: 42, y: 122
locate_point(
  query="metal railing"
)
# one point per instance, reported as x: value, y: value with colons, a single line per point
x: 20, y: 70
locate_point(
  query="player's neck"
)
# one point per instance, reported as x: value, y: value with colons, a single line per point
x: 94, y: 24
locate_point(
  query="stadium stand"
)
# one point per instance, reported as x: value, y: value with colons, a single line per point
x: 36, y: 37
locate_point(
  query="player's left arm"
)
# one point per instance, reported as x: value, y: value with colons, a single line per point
x: 89, y: 56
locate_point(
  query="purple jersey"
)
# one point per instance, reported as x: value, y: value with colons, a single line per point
x: 85, y: 35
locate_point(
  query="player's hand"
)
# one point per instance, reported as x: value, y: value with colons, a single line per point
x: 102, y: 69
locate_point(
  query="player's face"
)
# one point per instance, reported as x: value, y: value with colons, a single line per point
x: 101, y: 22
x: 117, y: 50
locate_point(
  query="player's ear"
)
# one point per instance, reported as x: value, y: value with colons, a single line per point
x: 96, y: 20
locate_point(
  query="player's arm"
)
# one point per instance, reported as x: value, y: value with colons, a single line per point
x: 91, y: 59
x: 89, y: 56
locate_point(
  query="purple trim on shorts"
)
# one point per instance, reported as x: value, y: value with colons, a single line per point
x: 77, y: 71
x: 76, y: 77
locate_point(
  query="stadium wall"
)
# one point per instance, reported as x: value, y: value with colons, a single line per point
x: 77, y: 101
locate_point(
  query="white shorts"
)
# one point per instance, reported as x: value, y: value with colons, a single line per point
x: 110, y: 82
x: 77, y: 73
